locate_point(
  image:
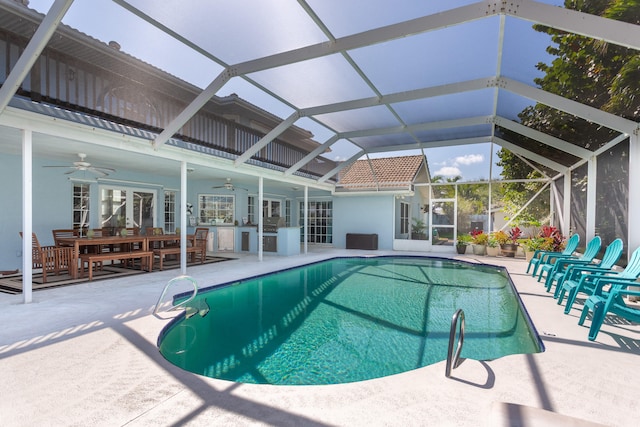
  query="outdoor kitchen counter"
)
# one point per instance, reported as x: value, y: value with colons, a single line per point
x: 286, y: 240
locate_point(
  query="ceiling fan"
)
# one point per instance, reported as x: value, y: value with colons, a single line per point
x: 83, y: 165
x: 229, y: 186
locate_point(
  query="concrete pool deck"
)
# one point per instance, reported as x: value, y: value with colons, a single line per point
x: 86, y: 355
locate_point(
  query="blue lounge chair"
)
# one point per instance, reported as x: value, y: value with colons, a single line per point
x: 589, y: 283
x: 559, y: 266
x: 540, y: 256
x: 569, y: 282
x: 611, y: 302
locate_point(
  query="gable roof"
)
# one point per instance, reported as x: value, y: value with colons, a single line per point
x: 383, y: 173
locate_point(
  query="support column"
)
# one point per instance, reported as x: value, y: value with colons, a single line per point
x: 566, y: 204
x: 27, y: 215
x: 634, y: 187
x: 592, y: 175
x: 306, y: 219
x: 260, y: 212
x: 634, y: 201
x: 183, y: 217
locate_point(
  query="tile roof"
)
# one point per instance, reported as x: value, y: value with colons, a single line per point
x: 388, y: 172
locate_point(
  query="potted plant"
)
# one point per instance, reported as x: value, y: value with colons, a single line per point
x: 418, y: 230
x: 510, y: 247
x: 479, y: 241
x: 462, y: 243
x: 555, y: 241
x: 493, y: 248
x: 532, y: 244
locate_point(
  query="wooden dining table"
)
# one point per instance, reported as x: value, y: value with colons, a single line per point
x: 162, y: 240
x: 82, y: 244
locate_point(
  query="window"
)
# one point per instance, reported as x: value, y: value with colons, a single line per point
x: 287, y: 213
x: 320, y: 228
x: 169, y: 211
x: 127, y: 207
x: 404, y: 218
x: 80, y: 206
x: 270, y: 208
x: 251, y: 204
x: 216, y: 209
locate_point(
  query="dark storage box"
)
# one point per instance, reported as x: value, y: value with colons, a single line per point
x: 362, y: 241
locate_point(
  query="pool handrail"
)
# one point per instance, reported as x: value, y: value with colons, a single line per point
x: 171, y: 282
x: 454, y: 360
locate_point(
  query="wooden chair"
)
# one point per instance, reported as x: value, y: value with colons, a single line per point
x: 62, y: 234
x: 154, y: 231
x: 51, y: 259
x: 199, y: 239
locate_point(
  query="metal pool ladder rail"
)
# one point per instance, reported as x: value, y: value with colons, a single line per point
x: 454, y: 360
x: 171, y: 282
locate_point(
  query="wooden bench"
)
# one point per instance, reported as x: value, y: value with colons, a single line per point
x: 146, y: 259
x: 175, y: 250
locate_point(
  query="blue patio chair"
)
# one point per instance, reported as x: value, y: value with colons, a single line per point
x: 611, y: 302
x: 574, y: 273
x: 556, y: 270
x: 540, y: 256
x: 589, y: 283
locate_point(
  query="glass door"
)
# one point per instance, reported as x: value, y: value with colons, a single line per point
x: 127, y: 207
x: 442, y: 215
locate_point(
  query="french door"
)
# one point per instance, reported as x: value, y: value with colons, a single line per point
x: 127, y: 207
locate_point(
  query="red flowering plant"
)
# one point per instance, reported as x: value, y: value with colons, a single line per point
x: 514, y: 235
x: 478, y: 237
x: 554, y: 239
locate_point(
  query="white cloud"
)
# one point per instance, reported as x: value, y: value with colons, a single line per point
x: 468, y: 159
x: 448, y: 171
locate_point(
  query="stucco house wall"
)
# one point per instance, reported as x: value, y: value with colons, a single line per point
x: 363, y: 214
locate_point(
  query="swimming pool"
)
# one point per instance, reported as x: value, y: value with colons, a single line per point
x: 348, y: 319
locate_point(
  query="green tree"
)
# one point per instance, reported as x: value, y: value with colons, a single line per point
x: 586, y: 70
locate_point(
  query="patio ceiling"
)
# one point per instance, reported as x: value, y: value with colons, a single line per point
x: 386, y: 76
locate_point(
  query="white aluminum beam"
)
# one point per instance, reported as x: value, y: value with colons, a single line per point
x: 532, y: 166
x: 183, y: 217
x: 609, y: 145
x: 544, y: 138
x: 306, y: 219
x: 259, y: 212
x: 273, y: 134
x: 530, y: 155
x: 554, y: 200
x: 592, y: 176
x: 431, y: 144
x: 191, y: 109
x: 367, y: 38
x: 341, y: 166
x: 572, y: 107
x: 572, y: 21
x: 392, y: 98
x: 444, y: 124
x: 31, y: 53
x: 27, y: 216
x: 634, y: 189
x: 306, y: 159
x: 566, y: 205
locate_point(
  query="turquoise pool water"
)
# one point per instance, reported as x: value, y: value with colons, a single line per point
x: 348, y: 319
